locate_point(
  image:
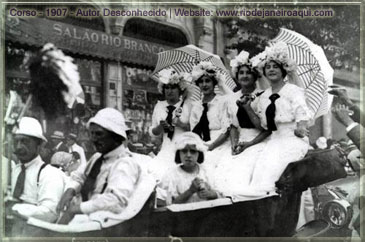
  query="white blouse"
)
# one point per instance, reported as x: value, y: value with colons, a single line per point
x: 232, y: 107
x: 217, y: 114
x: 160, y: 113
x: 290, y: 107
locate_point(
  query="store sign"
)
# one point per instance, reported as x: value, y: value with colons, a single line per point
x: 38, y: 31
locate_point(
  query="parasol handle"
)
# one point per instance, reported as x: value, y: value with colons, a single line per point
x: 294, y: 78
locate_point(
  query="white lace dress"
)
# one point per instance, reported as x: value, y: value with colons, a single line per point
x: 282, y: 146
x: 233, y: 174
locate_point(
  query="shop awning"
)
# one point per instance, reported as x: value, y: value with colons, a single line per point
x: 38, y: 31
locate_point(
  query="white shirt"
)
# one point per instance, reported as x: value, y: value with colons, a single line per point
x: 46, y: 195
x: 160, y: 113
x: 58, y: 146
x: 217, y: 114
x: 351, y: 126
x: 291, y: 107
x: 119, y: 171
x: 76, y: 148
x: 232, y: 106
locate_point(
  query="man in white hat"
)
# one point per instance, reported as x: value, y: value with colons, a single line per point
x: 36, y: 187
x: 107, y: 181
x: 58, y: 141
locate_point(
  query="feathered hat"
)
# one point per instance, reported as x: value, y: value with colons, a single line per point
x: 55, y: 80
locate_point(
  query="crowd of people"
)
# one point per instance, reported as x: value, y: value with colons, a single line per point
x: 225, y: 144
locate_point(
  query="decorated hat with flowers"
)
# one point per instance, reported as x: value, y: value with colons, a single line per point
x: 240, y: 60
x: 208, y: 69
x: 277, y: 52
x: 170, y: 76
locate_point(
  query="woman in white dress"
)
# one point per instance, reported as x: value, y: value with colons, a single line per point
x: 235, y: 171
x: 208, y: 117
x: 170, y: 118
x: 283, y: 110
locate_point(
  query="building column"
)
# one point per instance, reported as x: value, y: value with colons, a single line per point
x: 203, y: 30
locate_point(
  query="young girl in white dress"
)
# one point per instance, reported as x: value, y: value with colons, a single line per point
x: 189, y: 181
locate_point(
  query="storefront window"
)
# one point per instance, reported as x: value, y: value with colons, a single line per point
x: 140, y: 95
x: 91, y: 81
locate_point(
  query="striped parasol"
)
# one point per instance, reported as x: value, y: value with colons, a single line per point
x: 313, y: 69
x: 183, y: 59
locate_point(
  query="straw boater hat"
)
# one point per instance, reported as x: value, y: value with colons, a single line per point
x: 30, y: 127
x: 72, y: 136
x: 57, y: 135
x: 170, y: 76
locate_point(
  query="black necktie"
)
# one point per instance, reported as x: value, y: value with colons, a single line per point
x: 170, y: 110
x: 89, y: 184
x: 243, y: 118
x: 270, y: 112
x: 202, y: 128
x: 19, y: 186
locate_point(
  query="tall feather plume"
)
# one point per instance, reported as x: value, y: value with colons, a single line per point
x: 55, y: 81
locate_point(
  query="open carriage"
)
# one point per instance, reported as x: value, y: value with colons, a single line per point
x: 225, y: 217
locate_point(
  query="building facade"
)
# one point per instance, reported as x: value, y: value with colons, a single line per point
x: 115, y: 57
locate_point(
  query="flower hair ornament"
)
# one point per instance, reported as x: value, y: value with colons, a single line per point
x: 170, y: 76
x: 240, y: 60
x: 55, y: 80
x: 277, y: 52
x: 206, y: 68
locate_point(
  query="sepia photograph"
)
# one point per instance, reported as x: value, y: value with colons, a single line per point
x: 182, y: 121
